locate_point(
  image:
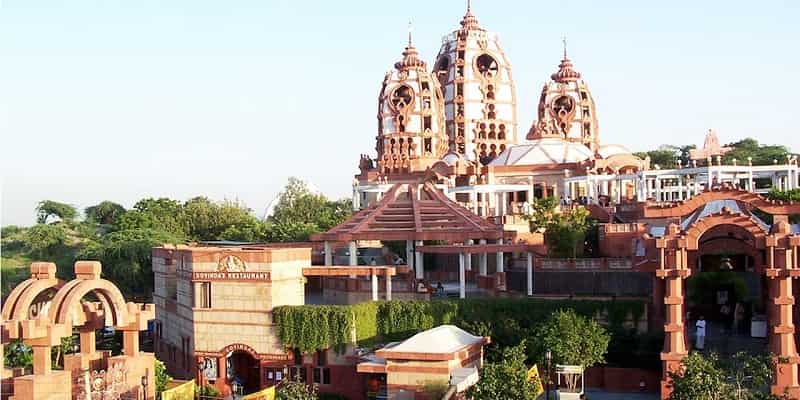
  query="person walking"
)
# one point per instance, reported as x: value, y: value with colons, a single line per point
x: 700, y: 334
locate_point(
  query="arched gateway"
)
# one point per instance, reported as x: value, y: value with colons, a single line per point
x: 43, y: 309
x: 727, y: 218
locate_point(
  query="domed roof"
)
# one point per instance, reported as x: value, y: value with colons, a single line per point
x: 451, y: 158
x: 608, y: 150
x: 544, y: 151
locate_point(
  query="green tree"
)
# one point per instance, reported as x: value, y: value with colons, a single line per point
x: 701, y: 379
x: 160, y: 214
x: 18, y: 355
x: 162, y: 377
x: 105, y: 212
x: 761, y: 154
x: 208, y: 220
x: 43, y: 240
x: 743, y: 377
x: 565, y: 233
x: 665, y: 156
x: 543, y: 212
x: 300, y: 213
x: 127, y: 257
x: 57, y: 353
x: 247, y: 231
x: 49, y: 210
x: 505, y: 379
x: 295, y: 390
x: 572, y: 339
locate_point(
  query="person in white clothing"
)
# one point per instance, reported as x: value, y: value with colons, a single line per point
x: 700, y: 333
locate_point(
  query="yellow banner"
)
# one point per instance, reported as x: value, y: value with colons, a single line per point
x: 533, y: 376
x: 184, y: 391
x: 264, y: 394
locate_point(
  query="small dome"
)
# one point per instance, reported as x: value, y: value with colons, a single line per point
x: 451, y: 158
x: 608, y: 150
x: 544, y: 151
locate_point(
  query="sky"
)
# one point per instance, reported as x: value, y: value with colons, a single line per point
x: 121, y: 100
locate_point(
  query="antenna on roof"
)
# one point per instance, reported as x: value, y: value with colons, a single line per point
x: 564, y: 42
x: 409, y: 32
x: 469, y: 5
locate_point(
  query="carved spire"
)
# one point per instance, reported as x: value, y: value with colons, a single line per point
x: 470, y: 22
x: 411, y: 58
x: 565, y: 72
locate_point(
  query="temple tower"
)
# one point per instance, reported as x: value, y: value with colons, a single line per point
x: 566, y: 108
x: 480, y: 102
x: 411, y: 134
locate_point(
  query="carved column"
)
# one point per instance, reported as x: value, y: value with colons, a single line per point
x: 781, y: 337
x: 673, y: 270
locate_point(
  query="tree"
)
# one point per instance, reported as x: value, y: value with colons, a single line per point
x: 42, y: 240
x: 162, y: 377
x: 295, y: 390
x: 300, y: 213
x: 105, y: 212
x: 572, y: 339
x: 57, y: 352
x: 47, y: 210
x: 707, y: 378
x: 761, y: 154
x: 505, y: 379
x: 127, y: 257
x: 160, y: 214
x: 18, y: 355
x: 564, y: 234
x: 543, y: 212
x: 207, y: 220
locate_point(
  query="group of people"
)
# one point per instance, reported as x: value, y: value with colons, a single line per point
x: 732, y: 322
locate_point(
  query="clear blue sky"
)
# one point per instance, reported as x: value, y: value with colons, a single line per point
x: 124, y: 99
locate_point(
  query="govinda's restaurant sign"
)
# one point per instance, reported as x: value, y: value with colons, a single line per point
x: 230, y: 268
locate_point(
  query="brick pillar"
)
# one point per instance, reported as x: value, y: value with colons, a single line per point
x: 674, y: 331
x: 41, y: 360
x: 88, y: 342
x: 130, y: 342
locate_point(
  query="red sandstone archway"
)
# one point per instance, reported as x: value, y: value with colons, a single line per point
x: 675, y: 249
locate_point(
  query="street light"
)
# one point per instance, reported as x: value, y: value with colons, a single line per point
x: 144, y: 383
x: 547, y: 357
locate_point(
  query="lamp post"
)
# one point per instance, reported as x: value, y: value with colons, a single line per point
x: 144, y: 384
x: 547, y: 357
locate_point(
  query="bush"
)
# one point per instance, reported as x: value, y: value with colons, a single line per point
x: 435, y: 390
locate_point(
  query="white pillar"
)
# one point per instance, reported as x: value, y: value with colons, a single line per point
x: 680, y: 187
x: 419, y: 264
x: 356, y: 198
x: 353, y: 250
x: 374, y: 286
x: 499, y: 256
x: 410, y: 253
x: 468, y: 260
x: 482, y: 260
x: 328, y: 253
x: 462, y: 277
x: 389, y: 287
x: 658, y: 189
x: 530, y: 274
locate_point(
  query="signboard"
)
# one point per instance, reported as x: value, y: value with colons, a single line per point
x: 184, y: 391
x: 231, y: 276
x: 533, y: 376
x: 265, y: 394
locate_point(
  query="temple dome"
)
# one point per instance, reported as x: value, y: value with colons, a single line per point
x: 411, y: 133
x: 546, y: 151
x: 608, y: 150
x: 566, y: 108
x: 475, y: 75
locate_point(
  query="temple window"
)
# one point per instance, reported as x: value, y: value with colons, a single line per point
x: 425, y: 85
x: 584, y: 95
x: 402, y: 97
x: 487, y: 66
x: 587, y: 129
x: 426, y: 123
x: 428, y: 145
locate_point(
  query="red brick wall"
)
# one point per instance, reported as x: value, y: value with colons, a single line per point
x: 622, y: 379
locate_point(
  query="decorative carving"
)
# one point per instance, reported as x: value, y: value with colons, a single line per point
x: 231, y: 263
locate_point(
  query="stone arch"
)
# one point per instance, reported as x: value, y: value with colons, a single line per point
x: 744, y: 222
x: 750, y: 199
x: 71, y: 294
x: 43, y: 279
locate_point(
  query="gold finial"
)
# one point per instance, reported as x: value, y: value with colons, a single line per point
x: 564, y: 42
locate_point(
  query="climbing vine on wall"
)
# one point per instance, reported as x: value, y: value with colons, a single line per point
x: 508, y: 321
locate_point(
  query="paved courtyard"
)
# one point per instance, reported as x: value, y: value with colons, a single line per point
x: 592, y: 394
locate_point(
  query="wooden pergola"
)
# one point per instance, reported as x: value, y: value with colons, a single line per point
x: 415, y: 212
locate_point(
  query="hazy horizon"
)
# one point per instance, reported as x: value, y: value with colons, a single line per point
x: 120, y: 101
